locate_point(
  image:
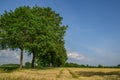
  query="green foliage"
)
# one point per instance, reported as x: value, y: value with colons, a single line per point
x: 100, y: 66
x: 37, y: 30
x: 74, y: 65
x: 27, y: 65
x: 14, y: 29
x: 88, y: 66
x: 9, y: 67
x: 118, y: 65
x: 49, y: 37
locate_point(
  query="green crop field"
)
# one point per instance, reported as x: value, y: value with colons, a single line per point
x: 62, y: 74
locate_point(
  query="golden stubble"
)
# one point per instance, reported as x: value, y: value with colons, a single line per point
x: 59, y: 74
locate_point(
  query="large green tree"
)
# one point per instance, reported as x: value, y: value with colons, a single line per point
x: 48, y: 30
x: 52, y: 37
x: 38, y: 30
x: 14, y: 27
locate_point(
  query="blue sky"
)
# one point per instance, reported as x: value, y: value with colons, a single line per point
x: 93, y: 35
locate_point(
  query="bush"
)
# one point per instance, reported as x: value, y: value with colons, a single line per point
x: 9, y: 67
x: 27, y: 65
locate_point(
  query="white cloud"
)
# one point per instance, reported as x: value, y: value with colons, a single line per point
x: 75, y: 55
x: 8, y: 56
x: 17, y: 56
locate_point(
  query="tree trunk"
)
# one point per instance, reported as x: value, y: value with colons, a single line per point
x: 21, y: 59
x: 33, y: 60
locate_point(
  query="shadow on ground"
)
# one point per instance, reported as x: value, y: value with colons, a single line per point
x: 89, y: 73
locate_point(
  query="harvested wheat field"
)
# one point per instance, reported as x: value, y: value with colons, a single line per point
x: 62, y: 74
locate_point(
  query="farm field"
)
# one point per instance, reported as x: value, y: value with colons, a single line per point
x: 63, y: 74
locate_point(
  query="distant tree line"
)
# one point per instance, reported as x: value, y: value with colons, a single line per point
x: 89, y: 66
x: 37, y: 31
x: 67, y: 64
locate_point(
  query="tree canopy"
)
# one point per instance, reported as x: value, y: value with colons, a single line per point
x: 37, y: 30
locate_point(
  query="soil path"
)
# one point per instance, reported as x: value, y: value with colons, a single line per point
x: 64, y: 74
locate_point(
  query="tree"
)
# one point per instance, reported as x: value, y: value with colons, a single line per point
x: 14, y: 29
x: 100, y: 66
x: 37, y: 30
x: 52, y: 50
x: 118, y: 65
